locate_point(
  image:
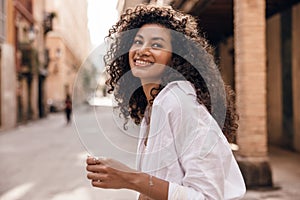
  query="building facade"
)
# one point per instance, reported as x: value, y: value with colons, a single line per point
x: 43, y: 43
x: 22, y: 61
x: 68, y: 45
x: 7, y: 66
x: 282, y: 69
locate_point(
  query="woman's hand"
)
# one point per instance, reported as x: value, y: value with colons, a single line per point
x: 109, y: 173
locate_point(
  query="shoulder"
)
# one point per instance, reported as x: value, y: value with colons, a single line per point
x: 178, y: 99
x: 176, y: 93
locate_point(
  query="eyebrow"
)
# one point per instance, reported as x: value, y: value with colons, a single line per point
x: 155, y: 38
x: 158, y: 38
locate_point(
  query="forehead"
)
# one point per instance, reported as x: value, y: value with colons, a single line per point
x: 154, y: 30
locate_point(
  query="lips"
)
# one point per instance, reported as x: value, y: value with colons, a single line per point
x: 142, y: 63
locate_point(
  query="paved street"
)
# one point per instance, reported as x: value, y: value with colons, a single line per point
x: 45, y: 160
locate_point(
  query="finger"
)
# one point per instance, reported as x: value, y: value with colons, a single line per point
x: 93, y: 160
x: 96, y: 176
x: 99, y: 183
x: 93, y: 176
x: 96, y: 168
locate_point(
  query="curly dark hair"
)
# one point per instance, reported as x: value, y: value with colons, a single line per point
x: 192, y: 58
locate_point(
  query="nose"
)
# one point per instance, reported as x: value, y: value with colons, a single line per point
x: 143, y: 50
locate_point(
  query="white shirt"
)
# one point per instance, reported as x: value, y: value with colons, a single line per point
x: 187, y: 148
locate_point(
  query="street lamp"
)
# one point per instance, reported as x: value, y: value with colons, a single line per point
x: 31, y: 34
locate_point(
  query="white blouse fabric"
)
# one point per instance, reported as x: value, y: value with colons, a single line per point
x: 187, y: 148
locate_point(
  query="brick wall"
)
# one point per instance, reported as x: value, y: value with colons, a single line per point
x: 250, y: 71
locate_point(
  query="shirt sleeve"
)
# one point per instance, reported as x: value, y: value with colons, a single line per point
x: 180, y: 192
x: 209, y: 177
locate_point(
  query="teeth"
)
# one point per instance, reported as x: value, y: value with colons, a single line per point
x: 141, y: 62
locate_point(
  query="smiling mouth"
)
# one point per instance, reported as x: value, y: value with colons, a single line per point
x: 142, y: 63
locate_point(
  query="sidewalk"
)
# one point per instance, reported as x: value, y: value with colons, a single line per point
x: 286, y: 177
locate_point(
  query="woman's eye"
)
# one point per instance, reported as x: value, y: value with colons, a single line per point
x: 137, y: 42
x: 156, y: 45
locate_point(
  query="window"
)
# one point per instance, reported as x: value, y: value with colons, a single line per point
x: 2, y: 20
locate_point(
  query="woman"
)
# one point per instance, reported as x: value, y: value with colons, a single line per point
x: 164, y: 78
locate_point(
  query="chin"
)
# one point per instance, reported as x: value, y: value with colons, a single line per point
x: 138, y: 75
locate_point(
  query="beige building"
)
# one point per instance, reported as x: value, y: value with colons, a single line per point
x: 7, y: 74
x: 26, y: 26
x: 258, y: 46
x: 68, y: 45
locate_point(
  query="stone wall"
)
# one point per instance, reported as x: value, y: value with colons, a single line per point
x: 8, y: 87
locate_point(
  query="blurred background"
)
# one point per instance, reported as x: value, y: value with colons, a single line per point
x: 45, y: 44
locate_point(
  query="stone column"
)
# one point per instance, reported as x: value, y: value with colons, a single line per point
x: 250, y: 83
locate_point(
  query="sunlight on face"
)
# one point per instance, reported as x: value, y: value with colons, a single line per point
x: 150, y: 53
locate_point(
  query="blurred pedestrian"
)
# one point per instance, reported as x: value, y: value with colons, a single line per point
x: 167, y: 83
x: 68, y: 108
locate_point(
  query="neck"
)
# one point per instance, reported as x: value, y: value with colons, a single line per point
x: 147, y: 90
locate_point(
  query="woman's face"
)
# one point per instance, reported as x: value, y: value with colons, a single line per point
x: 150, y: 53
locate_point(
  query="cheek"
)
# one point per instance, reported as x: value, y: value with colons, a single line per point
x: 130, y: 54
x: 130, y: 58
x: 166, y: 58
